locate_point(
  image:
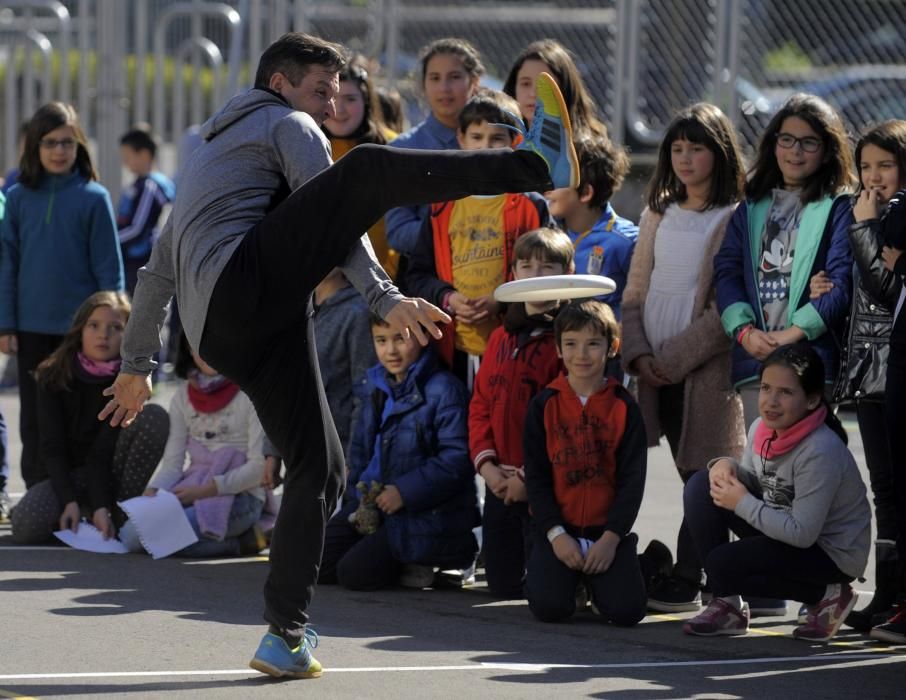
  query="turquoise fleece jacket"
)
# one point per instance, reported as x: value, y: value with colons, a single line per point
x: 58, y: 246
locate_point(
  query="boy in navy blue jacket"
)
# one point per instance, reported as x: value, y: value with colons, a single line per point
x: 412, y: 438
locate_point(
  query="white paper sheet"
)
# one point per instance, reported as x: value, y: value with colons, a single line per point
x: 90, y: 539
x: 160, y: 522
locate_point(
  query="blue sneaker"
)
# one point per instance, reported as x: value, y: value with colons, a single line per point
x: 275, y: 658
x: 551, y: 134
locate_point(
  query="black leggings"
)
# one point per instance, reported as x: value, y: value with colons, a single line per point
x: 259, y: 333
x: 755, y: 565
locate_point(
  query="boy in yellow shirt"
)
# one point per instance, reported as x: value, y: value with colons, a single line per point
x: 465, y: 247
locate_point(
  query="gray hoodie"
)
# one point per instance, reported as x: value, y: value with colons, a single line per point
x: 254, y: 147
x: 811, y: 494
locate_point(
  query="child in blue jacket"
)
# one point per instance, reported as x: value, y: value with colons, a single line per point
x: 412, y: 438
x: 793, y: 224
x: 58, y: 246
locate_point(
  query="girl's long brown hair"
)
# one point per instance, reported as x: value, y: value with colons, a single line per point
x: 562, y: 66
x: 49, y: 117
x: 372, y: 128
x: 56, y: 371
x: 835, y: 173
x: 889, y: 136
x: 705, y: 124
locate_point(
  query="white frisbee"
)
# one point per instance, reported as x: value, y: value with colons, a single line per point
x: 555, y: 287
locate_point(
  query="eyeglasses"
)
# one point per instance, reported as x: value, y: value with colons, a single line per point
x: 809, y: 144
x: 53, y: 144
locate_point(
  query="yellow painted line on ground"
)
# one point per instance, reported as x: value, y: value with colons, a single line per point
x: 13, y: 694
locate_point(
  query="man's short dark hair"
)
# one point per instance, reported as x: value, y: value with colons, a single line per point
x: 293, y: 53
x: 139, y: 139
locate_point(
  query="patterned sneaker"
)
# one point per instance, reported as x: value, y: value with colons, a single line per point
x: 894, y: 630
x: 719, y: 618
x: 825, y: 617
x: 675, y: 594
x: 275, y: 658
x: 551, y: 134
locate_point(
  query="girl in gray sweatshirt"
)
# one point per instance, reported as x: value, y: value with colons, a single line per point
x: 795, y: 499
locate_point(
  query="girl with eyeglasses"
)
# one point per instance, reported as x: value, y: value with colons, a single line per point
x: 58, y: 246
x: 793, y: 223
x: 796, y: 501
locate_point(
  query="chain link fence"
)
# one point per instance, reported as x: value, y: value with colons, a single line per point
x: 173, y: 61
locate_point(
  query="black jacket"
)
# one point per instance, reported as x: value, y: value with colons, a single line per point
x: 72, y: 437
x: 863, y: 366
x: 893, y: 233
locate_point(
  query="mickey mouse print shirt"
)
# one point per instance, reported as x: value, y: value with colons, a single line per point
x: 778, y: 244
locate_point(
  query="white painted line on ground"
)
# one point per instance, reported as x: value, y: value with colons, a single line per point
x: 486, y: 666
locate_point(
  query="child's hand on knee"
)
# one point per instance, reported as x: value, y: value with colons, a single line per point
x: 728, y: 492
x: 271, y: 477
x: 567, y: 550
x: 102, y: 521
x: 389, y: 500
x: 721, y: 470
x: 601, y: 553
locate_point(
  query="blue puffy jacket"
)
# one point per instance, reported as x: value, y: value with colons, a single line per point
x: 417, y: 434
x: 822, y: 244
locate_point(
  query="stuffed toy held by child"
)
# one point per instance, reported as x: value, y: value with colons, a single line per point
x: 367, y: 518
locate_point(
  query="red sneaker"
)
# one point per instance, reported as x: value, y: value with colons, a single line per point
x: 719, y: 618
x: 824, y: 618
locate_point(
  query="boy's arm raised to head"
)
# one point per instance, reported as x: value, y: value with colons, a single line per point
x: 539, y: 472
x: 632, y: 466
x: 448, y: 470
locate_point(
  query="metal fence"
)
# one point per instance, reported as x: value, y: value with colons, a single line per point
x: 171, y: 62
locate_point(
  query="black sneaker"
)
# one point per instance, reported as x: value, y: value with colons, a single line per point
x: 675, y: 594
x: 894, y: 630
x: 656, y: 563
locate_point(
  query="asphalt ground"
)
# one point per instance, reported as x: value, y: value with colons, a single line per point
x: 74, y: 624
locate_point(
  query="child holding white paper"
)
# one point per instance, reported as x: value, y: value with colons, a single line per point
x: 90, y: 465
x: 216, y: 427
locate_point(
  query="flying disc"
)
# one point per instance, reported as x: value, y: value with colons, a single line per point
x: 555, y: 287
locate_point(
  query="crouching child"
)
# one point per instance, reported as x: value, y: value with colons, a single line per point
x: 410, y: 451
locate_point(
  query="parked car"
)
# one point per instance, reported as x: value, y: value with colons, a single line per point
x: 864, y: 94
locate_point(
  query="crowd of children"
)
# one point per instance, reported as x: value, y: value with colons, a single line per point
x: 748, y: 304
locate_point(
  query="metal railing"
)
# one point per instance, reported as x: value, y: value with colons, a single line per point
x: 174, y: 61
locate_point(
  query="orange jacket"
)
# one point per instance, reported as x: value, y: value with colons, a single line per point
x: 430, y: 271
x: 585, y: 465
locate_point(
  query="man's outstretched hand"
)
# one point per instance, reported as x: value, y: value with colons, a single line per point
x: 416, y: 316
x: 129, y: 392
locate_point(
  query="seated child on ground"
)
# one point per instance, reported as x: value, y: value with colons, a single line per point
x: 411, y: 446
x: 795, y: 500
x: 521, y: 359
x: 216, y: 427
x: 465, y: 248
x: 585, y: 463
x: 91, y: 465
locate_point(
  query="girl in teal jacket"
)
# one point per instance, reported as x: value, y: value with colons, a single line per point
x: 793, y: 224
x: 58, y: 246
